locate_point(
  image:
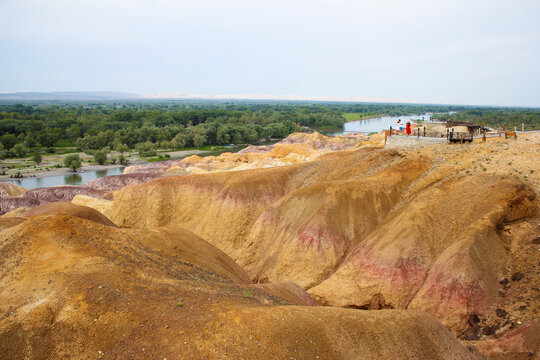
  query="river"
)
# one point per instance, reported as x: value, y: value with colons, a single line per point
x: 379, y: 124
x: 83, y: 177
x: 78, y: 178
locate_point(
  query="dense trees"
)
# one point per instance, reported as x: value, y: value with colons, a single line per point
x: 122, y: 126
x: 177, y: 124
x: 500, y: 117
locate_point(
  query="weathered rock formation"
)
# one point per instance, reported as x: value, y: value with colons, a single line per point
x: 8, y: 189
x: 72, y: 287
x: 116, y: 182
x: 521, y: 343
x: 296, y: 148
x: 68, y: 208
x: 38, y: 196
x: 104, y: 206
x: 363, y: 228
x: 446, y: 230
x: 434, y: 254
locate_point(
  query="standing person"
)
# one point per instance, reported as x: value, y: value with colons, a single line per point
x: 408, y: 128
x: 398, y: 125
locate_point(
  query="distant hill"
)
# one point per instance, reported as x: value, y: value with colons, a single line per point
x: 177, y: 95
x: 68, y: 95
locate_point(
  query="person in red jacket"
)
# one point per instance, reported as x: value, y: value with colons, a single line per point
x: 408, y: 128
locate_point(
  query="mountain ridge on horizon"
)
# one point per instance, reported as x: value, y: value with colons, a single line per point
x: 178, y: 95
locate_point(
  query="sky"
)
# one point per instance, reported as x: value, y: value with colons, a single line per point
x: 461, y: 52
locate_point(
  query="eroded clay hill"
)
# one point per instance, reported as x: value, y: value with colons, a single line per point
x: 418, y: 228
x: 449, y: 231
x: 79, y: 287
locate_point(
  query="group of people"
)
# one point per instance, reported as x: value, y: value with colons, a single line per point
x: 407, y: 127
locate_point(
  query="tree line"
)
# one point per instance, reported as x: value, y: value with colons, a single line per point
x: 146, y: 126
x: 507, y: 117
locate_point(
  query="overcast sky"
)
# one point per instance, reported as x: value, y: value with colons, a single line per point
x: 468, y: 52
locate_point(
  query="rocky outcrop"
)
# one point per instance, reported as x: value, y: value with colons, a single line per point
x: 433, y: 254
x: 320, y: 141
x: 72, y: 286
x: 219, y: 206
x: 38, y: 196
x: 363, y: 228
x: 521, y: 343
x: 256, y: 149
x: 156, y: 168
x: 296, y: 148
x: 433, y: 229
x: 66, y: 192
x: 308, y: 232
x: 8, y: 204
x: 224, y: 206
x: 102, y: 205
x: 8, y: 189
x: 116, y: 182
x: 67, y: 208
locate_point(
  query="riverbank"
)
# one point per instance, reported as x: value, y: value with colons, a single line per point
x: 52, y: 165
x: 378, y: 124
x: 40, y: 173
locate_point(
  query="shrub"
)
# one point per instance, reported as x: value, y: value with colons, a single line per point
x: 121, y: 148
x: 146, y: 149
x: 37, y: 158
x: 100, y: 157
x: 20, y: 150
x: 72, y: 161
x: 122, y: 160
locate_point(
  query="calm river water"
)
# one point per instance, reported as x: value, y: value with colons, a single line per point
x: 379, y: 124
x: 69, y: 179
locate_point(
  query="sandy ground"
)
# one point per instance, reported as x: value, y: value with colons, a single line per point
x: 398, y: 141
x: 518, y: 157
x: 50, y: 161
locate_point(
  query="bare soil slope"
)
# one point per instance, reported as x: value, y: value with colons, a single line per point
x: 416, y: 228
x: 75, y: 288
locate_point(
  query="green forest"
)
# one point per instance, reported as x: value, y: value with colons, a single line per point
x: 497, y: 117
x: 146, y: 126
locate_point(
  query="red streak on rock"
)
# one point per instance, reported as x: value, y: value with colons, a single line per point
x: 450, y: 292
x: 393, y: 270
x: 310, y: 236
